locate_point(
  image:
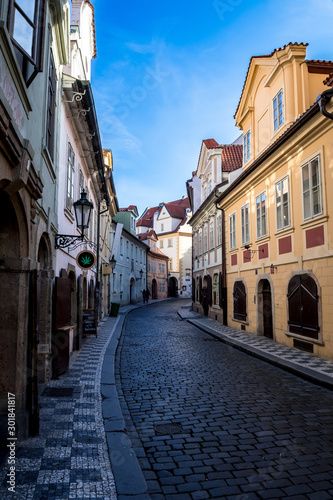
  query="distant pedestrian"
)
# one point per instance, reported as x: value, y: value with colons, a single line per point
x: 147, y: 295
x: 144, y: 294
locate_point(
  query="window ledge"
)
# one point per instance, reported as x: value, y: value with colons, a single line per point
x: 303, y: 337
x: 49, y: 163
x: 285, y: 231
x: 318, y: 219
x: 262, y: 239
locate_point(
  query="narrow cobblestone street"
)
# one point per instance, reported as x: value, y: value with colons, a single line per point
x: 208, y: 421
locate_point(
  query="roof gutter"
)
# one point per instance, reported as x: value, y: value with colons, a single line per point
x: 323, y: 99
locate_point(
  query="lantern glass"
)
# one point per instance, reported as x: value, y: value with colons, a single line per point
x: 82, y: 209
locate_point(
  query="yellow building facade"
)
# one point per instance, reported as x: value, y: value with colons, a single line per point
x: 278, y: 229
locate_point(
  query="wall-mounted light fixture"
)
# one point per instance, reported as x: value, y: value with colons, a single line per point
x: 82, y: 210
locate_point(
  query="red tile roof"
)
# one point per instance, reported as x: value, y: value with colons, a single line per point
x: 94, y: 28
x: 176, y: 209
x: 268, y: 55
x: 232, y: 157
x: 211, y: 143
x: 128, y: 209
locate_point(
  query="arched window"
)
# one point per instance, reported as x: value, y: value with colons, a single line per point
x: 239, y: 301
x: 303, y: 306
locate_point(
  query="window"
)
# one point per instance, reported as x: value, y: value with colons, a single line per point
x: 247, y: 146
x: 26, y: 24
x: 162, y: 227
x: 161, y: 244
x: 200, y: 244
x: 245, y: 224
x: 120, y: 283
x: 216, y: 290
x: 311, y: 188
x: 278, y: 110
x: 261, y: 215
x: 121, y: 245
x: 232, y: 227
x: 127, y: 249
x: 219, y: 229
x: 205, y: 239
x: 170, y: 264
x: 211, y: 235
x: 170, y: 243
x: 303, y: 306
x: 209, y: 186
x: 282, y: 204
x: 161, y: 268
x: 205, y: 193
x: 70, y: 177
x: 239, y: 295
x: 81, y: 183
x: 51, y: 105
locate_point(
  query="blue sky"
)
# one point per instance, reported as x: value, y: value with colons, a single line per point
x: 170, y: 74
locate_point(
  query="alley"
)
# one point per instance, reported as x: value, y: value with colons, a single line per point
x: 207, y: 421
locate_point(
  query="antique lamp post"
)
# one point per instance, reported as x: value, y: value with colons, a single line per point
x: 82, y: 210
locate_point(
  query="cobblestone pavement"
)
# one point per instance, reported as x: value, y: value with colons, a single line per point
x: 285, y: 354
x: 66, y: 460
x: 208, y: 421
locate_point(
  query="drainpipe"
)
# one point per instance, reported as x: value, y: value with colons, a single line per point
x: 223, y: 268
x: 323, y: 99
x: 97, y: 289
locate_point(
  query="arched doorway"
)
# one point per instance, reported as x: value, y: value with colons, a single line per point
x: 173, y: 287
x: 265, y: 310
x: 15, y: 315
x: 132, y: 290
x: 154, y: 289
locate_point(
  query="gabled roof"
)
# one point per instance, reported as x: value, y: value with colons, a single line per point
x: 176, y: 209
x: 131, y: 208
x: 232, y: 157
x: 264, y: 56
x: 149, y: 234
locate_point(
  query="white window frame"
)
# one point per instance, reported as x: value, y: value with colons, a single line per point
x: 261, y: 231
x: 280, y: 224
x: 311, y: 189
x: 170, y: 243
x: 70, y: 176
x: 232, y: 230
x: 247, y: 146
x: 279, y: 111
x: 219, y: 230
x: 245, y: 223
x: 205, y: 239
x: 211, y: 235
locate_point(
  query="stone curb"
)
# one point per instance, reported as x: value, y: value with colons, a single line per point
x: 129, y: 479
x: 301, y: 371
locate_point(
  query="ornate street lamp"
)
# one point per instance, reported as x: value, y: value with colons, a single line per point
x: 113, y: 263
x: 82, y: 210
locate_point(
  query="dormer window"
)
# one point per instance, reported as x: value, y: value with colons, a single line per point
x: 278, y: 110
x: 26, y: 24
x: 247, y: 146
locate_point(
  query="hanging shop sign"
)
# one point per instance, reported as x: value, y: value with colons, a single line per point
x: 86, y: 259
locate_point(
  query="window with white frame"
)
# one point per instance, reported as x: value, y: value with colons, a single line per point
x: 209, y: 186
x: 261, y: 215
x: 162, y: 227
x: 170, y: 243
x: 211, y: 235
x: 205, y: 239
x: 121, y: 245
x: 278, y: 110
x: 161, y: 244
x: 200, y: 243
x: 232, y: 230
x: 245, y: 224
x: 247, y: 146
x: 219, y: 229
x: 311, y: 183
x: 282, y: 204
x: 170, y: 264
x: 216, y: 289
x: 70, y: 176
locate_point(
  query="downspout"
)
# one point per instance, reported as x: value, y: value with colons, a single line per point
x: 97, y: 289
x: 323, y: 99
x: 223, y: 268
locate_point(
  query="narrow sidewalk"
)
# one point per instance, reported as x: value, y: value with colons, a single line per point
x: 317, y: 370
